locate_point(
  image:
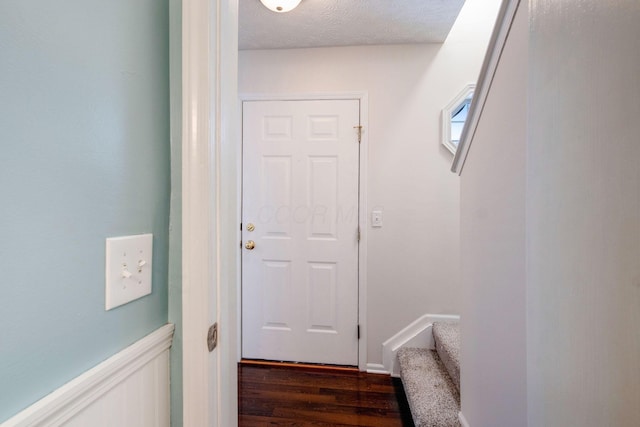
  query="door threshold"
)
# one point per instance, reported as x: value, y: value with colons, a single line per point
x: 298, y: 365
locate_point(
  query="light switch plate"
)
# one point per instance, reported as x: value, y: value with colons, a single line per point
x: 128, y: 269
x: 376, y: 218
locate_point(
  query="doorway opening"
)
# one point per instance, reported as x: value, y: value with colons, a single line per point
x: 302, y: 271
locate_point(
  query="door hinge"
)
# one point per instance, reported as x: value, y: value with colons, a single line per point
x: 358, y: 234
x: 358, y: 331
x: 212, y: 337
x: 359, y: 133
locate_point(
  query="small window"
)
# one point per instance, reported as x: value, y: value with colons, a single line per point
x: 454, y: 116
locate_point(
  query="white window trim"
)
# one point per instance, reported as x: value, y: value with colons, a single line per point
x: 448, y: 111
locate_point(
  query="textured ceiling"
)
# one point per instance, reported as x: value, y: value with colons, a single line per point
x: 318, y: 23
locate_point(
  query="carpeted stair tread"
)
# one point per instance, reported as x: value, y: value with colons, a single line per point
x: 433, y: 398
x: 447, y: 338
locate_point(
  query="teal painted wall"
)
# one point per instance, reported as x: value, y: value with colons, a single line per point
x: 84, y: 155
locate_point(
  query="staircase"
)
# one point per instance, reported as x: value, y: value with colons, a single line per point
x: 431, y: 378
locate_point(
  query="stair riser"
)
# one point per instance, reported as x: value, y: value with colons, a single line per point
x: 432, y: 396
x: 447, y: 343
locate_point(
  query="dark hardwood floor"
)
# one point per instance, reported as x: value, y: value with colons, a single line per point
x: 273, y: 395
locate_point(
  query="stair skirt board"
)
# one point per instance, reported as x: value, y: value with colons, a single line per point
x: 417, y: 334
x: 130, y: 388
x: 463, y: 420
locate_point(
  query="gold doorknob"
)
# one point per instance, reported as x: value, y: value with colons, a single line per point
x: 250, y: 245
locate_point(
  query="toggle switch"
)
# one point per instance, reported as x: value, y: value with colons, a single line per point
x: 122, y: 254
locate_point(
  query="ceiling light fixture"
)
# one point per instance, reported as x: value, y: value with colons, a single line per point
x: 280, y: 6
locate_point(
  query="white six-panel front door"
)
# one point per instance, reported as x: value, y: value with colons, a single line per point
x: 300, y: 210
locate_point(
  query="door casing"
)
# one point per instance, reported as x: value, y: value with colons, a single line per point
x: 363, y: 217
x: 210, y: 140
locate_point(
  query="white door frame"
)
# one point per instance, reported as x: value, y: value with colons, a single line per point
x: 363, y: 97
x: 209, y: 215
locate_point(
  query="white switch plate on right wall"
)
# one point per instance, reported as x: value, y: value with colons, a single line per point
x: 376, y: 218
x: 128, y: 269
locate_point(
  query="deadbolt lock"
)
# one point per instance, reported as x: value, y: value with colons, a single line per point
x: 250, y: 227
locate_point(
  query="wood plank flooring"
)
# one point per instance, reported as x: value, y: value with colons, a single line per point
x: 272, y: 395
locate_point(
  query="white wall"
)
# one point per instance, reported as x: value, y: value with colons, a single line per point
x: 493, y: 318
x: 551, y: 225
x: 414, y: 259
x: 583, y: 290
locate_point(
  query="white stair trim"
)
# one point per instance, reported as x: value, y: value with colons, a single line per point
x: 463, y: 420
x: 376, y: 368
x: 490, y: 65
x: 417, y: 334
x: 78, y: 394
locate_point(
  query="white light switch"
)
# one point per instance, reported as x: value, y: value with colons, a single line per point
x: 376, y: 218
x: 128, y: 269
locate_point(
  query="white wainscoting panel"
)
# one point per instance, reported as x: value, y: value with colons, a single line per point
x: 130, y: 388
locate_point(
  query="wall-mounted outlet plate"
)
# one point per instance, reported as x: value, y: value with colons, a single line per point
x: 128, y: 269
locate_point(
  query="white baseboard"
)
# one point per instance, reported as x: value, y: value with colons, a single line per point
x: 130, y: 388
x: 463, y: 420
x: 417, y: 334
x: 376, y: 368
